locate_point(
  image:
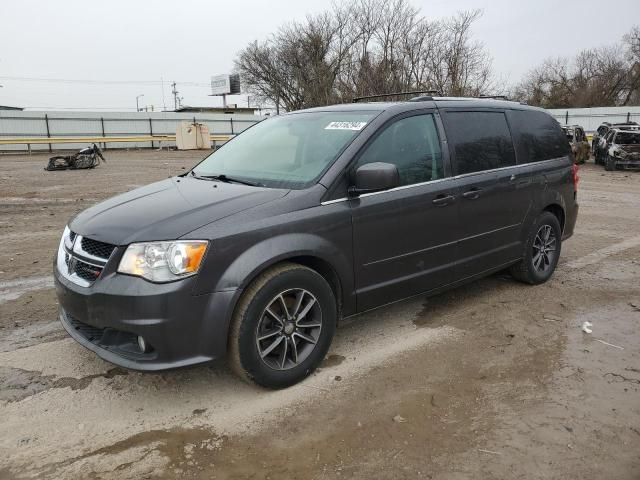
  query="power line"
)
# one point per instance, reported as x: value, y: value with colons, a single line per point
x: 100, y: 82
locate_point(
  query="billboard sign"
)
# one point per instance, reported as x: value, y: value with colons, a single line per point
x: 225, y: 84
x: 220, y: 85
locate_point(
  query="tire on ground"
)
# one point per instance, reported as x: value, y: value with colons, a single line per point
x: 524, y: 270
x: 243, y: 355
x: 609, y: 163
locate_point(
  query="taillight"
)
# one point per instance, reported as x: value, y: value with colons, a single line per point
x: 576, y: 177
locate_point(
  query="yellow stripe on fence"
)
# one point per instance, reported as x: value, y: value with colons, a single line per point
x: 121, y: 139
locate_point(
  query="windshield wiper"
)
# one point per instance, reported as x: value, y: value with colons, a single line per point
x: 226, y: 179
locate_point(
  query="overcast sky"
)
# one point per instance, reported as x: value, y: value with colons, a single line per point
x: 188, y: 41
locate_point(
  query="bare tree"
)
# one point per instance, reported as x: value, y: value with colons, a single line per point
x: 604, y: 76
x: 367, y: 47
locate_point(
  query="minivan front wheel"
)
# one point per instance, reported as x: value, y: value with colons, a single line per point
x: 542, y: 251
x: 282, y: 327
x: 609, y: 163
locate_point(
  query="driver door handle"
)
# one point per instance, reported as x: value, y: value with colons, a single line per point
x: 473, y: 193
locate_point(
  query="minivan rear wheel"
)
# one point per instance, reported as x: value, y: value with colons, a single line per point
x: 542, y: 251
x: 282, y: 327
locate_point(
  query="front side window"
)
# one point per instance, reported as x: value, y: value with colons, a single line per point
x: 412, y: 145
x: 291, y: 151
x: 482, y: 141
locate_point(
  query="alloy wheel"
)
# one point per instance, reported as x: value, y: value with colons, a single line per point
x: 289, y: 329
x: 544, y: 249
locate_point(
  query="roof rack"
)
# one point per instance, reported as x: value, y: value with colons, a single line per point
x: 495, y: 97
x: 397, y: 94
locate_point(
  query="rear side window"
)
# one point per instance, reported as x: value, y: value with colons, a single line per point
x: 538, y: 136
x: 482, y: 141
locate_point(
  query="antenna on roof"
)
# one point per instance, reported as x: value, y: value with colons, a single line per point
x: 398, y: 94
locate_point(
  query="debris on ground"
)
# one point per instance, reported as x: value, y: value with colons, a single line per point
x: 609, y: 344
x: 489, y: 451
x: 587, y: 327
x: 399, y: 419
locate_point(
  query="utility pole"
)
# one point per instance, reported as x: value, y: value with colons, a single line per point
x: 175, y: 92
x: 164, y: 103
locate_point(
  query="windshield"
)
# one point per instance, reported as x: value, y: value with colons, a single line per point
x: 628, y: 138
x: 290, y: 151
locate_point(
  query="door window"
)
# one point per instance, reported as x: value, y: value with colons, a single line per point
x: 482, y: 141
x: 412, y: 145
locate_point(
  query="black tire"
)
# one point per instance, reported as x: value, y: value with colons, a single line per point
x: 609, y: 164
x: 526, y: 270
x: 251, y: 315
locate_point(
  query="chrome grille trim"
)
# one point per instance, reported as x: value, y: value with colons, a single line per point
x: 79, y: 251
x: 74, y: 263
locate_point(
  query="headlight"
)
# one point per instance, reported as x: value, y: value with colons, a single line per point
x: 163, y: 261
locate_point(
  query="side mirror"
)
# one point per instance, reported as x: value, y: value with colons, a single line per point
x: 374, y: 177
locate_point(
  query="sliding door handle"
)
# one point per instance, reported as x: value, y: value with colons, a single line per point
x: 442, y: 200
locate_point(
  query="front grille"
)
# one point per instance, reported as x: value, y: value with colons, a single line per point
x: 96, y: 248
x: 83, y: 270
x: 93, y: 334
x: 81, y: 259
x: 86, y: 272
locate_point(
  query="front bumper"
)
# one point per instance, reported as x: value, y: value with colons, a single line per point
x: 181, y: 328
x: 627, y: 163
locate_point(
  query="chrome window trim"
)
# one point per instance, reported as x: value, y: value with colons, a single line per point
x: 456, y: 177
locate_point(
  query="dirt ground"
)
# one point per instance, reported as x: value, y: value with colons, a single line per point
x: 493, y: 380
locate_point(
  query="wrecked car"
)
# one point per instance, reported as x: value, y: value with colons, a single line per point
x: 578, y: 142
x: 623, y: 150
x: 598, y: 143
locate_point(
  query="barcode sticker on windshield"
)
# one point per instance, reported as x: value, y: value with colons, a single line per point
x: 345, y: 126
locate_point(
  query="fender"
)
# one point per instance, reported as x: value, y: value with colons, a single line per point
x: 270, y: 251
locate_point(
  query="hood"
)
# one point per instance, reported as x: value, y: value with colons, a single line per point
x: 167, y: 210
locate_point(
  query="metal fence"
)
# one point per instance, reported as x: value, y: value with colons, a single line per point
x: 66, y: 124
x: 72, y: 124
x: 591, y: 118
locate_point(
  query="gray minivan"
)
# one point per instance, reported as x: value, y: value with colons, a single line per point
x: 309, y: 217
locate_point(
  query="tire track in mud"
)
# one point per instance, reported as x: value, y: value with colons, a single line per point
x: 17, y: 384
x: 206, y: 397
x: 605, y: 252
x: 14, y: 289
